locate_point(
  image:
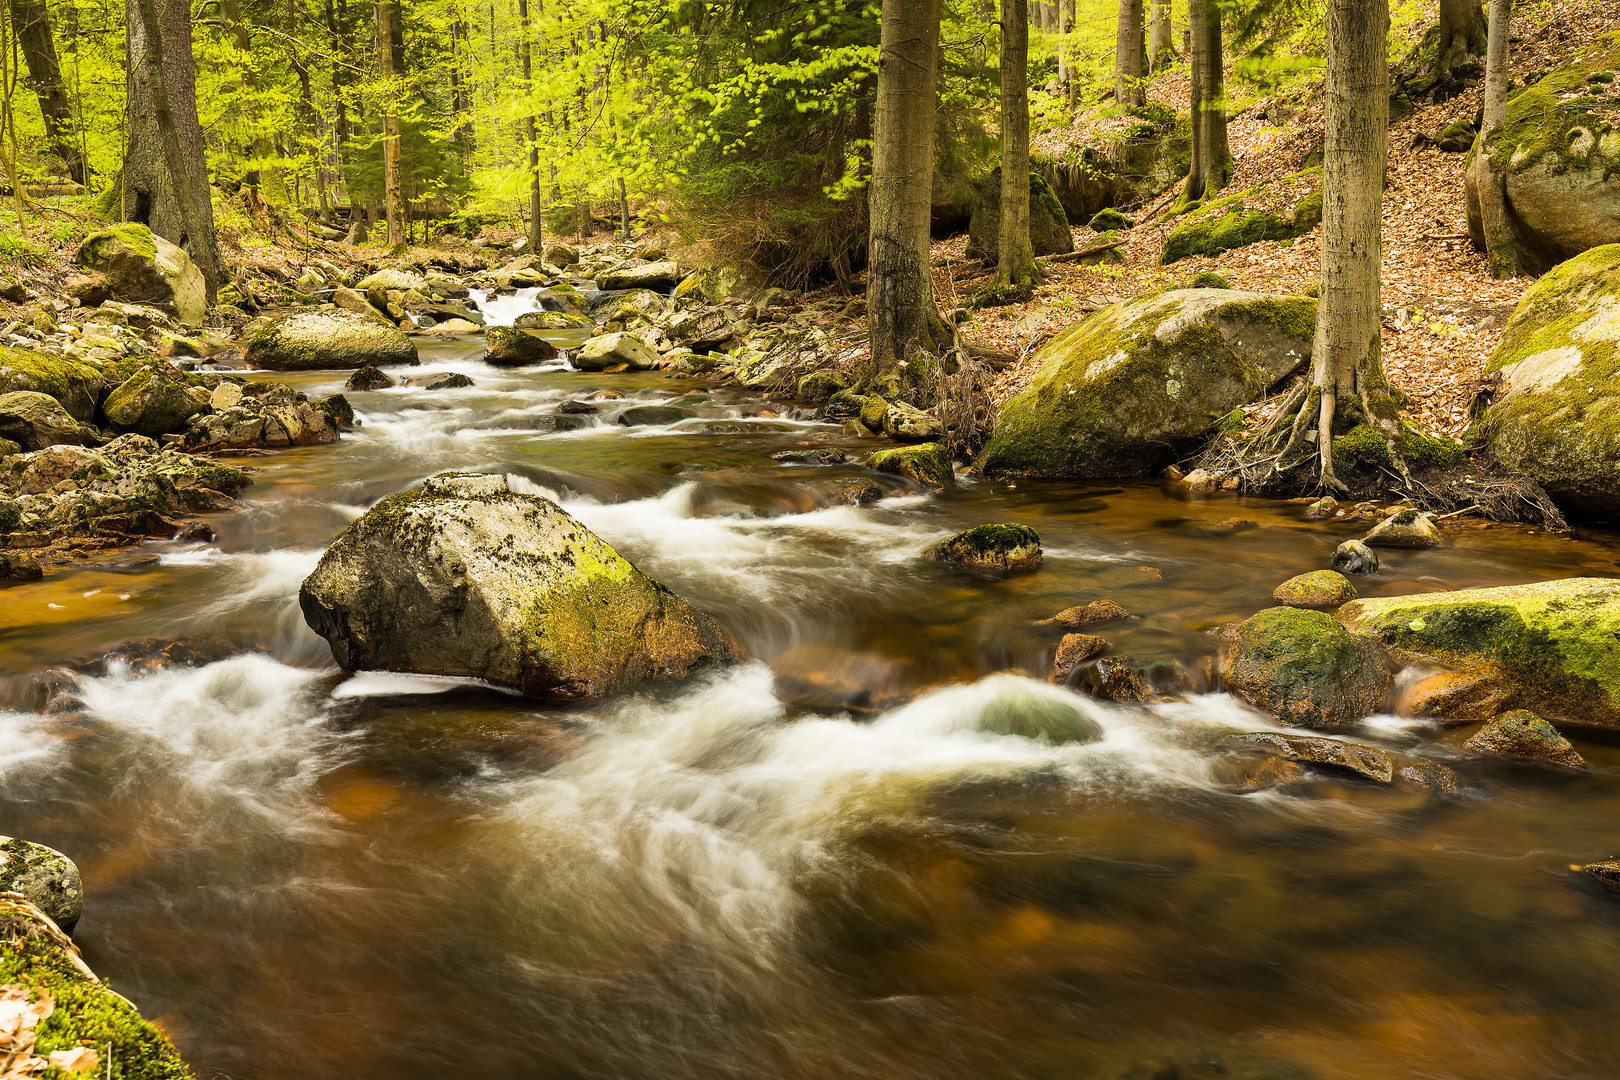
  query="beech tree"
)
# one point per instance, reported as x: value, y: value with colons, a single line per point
x: 900, y: 293
x: 1487, y: 194
x: 1015, y: 255
x: 32, y: 22
x: 1211, y: 154
x: 1347, y: 368
x: 1128, y: 66
x: 1161, y: 43
x: 165, y: 177
x: 536, y: 214
x: 1462, y: 37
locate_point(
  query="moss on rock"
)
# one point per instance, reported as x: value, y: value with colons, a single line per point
x: 1319, y: 590
x: 1305, y: 669
x: 320, y: 340
x: 1000, y: 548
x: 929, y: 464
x: 1281, y: 210
x: 76, y: 385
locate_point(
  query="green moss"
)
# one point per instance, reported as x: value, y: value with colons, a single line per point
x: 1109, y: 219
x: 1209, y: 280
x: 95, y: 249
x: 1248, y: 217
x: 1304, y: 668
x: 985, y: 539
x: 928, y: 464
x: 1362, y: 448
x: 1040, y: 191
x: 76, y: 385
x: 87, y: 1013
x: 1541, y: 118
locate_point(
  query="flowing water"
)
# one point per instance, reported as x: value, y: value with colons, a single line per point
x: 823, y: 862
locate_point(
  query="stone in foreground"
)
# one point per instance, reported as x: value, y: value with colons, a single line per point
x: 1305, y: 669
x: 1523, y: 734
x: 1002, y: 549
x: 464, y: 577
x: 323, y: 340
x: 1319, y: 590
x: 44, y: 876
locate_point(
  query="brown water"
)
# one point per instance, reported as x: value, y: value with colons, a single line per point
x: 308, y: 874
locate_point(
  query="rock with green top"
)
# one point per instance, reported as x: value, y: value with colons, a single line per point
x: 1555, y: 645
x: 660, y: 276
x: 1305, y: 669
x: 1131, y: 388
x: 611, y: 350
x: 464, y: 577
x: 142, y: 267
x: 1523, y: 734
x: 1280, y: 210
x: 818, y: 387
x: 77, y: 386
x: 35, y: 421
x: 928, y: 464
x: 1406, y: 529
x: 907, y: 423
x: 1319, y: 590
x: 1558, y: 417
x: 1001, y: 549
x: 323, y: 340
x: 1048, y: 225
x: 511, y: 346
x: 154, y: 401
x: 1557, y: 156
x: 1109, y: 220
x: 45, y: 877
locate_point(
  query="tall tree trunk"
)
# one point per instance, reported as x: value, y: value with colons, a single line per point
x: 1015, y: 256
x: 1128, y: 54
x: 1463, y: 37
x: 165, y: 181
x: 1487, y: 191
x: 1161, y: 44
x: 32, y: 20
x: 536, y: 216
x: 1348, y: 369
x: 1062, y: 51
x: 624, y: 212
x: 900, y: 291
x: 386, y: 15
x: 1211, y: 153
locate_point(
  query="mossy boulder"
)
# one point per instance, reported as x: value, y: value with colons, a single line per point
x: 1133, y: 387
x: 512, y: 346
x: 1048, y: 224
x: 1319, y: 590
x: 45, y: 877
x: 464, y: 577
x: 1110, y: 220
x: 154, y: 401
x: 928, y: 464
x: 1280, y: 210
x: 322, y: 340
x: 659, y: 276
x: 998, y: 548
x: 1305, y: 669
x: 1557, y: 155
x: 818, y: 387
x: 83, y: 1012
x: 147, y: 269
x: 76, y: 385
x: 1554, y: 644
x: 1523, y: 734
x: 1558, y: 418
x: 35, y: 421
x: 611, y: 350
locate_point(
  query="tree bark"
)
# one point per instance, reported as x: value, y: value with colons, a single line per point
x: 536, y: 215
x: 165, y: 179
x: 1161, y: 44
x: 389, y: 66
x: 900, y: 293
x: 1462, y: 35
x: 1487, y: 192
x: 1015, y: 255
x: 1347, y: 366
x: 32, y: 20
x: 1128, y: 54
x: 1211, y: 153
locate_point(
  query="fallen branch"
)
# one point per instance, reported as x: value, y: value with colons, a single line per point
x: 1075, y: 256
x: 1445, y: 236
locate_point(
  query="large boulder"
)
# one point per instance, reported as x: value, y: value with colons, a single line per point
x: 513, y: 346
x: 1558, y: 417
x: 44, y: 876
x: 611, y: 350
x: 1554, y: 645
x: 1129, y: 389
x: 77, y: 386
x: 1305, y: 669
x: 658, y: 276
x: 1048, y: 224
x: 1557, y: 157
x: 35, y: 421
x: 1148, y: 157
x: 146, y: 268
x: 319, y: 340
x: 464, y: 577
x: 153, y: 401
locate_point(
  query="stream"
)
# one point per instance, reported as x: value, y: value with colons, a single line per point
x: 816, y: 863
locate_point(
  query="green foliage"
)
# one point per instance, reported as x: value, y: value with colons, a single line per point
x: 1209, y: 279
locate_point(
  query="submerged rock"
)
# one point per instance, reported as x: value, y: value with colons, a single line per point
x: 45, y: 877
x: 511, y: 346
x: 1405, y: 529
x: 1523, y: 734
x: 1606, y: 873
x: 464, y: 577
x: 1354, y: 557
x: 1367, y: 761
x: 1001, y: 548
x: 1305, y: 669
x: 1319, y: 590
x: 1129, y: 389
x: 1554, y: 645
x: 320, y: 340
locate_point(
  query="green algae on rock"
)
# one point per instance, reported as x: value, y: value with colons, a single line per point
x: 1319, y: 590
x: 1554, y: 644
x: 1000, y: 548
x: 142, y: 267
x: 463, y: 577
x: 77, y: 386
x: 1305, y: 669
x: 45, y: 877
x: 1281, y: 210
x: 1127, y: 390
x: 1523, y: 734
x: 926, y: 463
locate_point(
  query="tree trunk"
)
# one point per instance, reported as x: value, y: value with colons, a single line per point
x: 1015, y: 255
x: 165, y: 179
x: 1128, y: 54
x: 1063, y: 26
x: 900, y: 291
x: 1347, y: 356
x: 1211, y: 154
x: 1462, y: 36
x: 1487, y: 192
x: 536, y: 215
x: 386, y: 15
x: 32, y: 19
x: 1161, y: 46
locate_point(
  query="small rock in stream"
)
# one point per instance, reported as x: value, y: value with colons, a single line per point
x: 1354, y: 557
x: 45, y: 877
x: 1523, y: 734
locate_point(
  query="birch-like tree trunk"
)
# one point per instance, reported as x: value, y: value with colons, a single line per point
x: 899, y: 292
x: 1487, y: 192
x: 1015, y: 255
x: 32, y: 20
x: 1128, y: 54
x: 389, y: 67
x: 1161, y: 43
x: 536, y: 216
x: 1211, y: 153
x: 1347, y: 365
